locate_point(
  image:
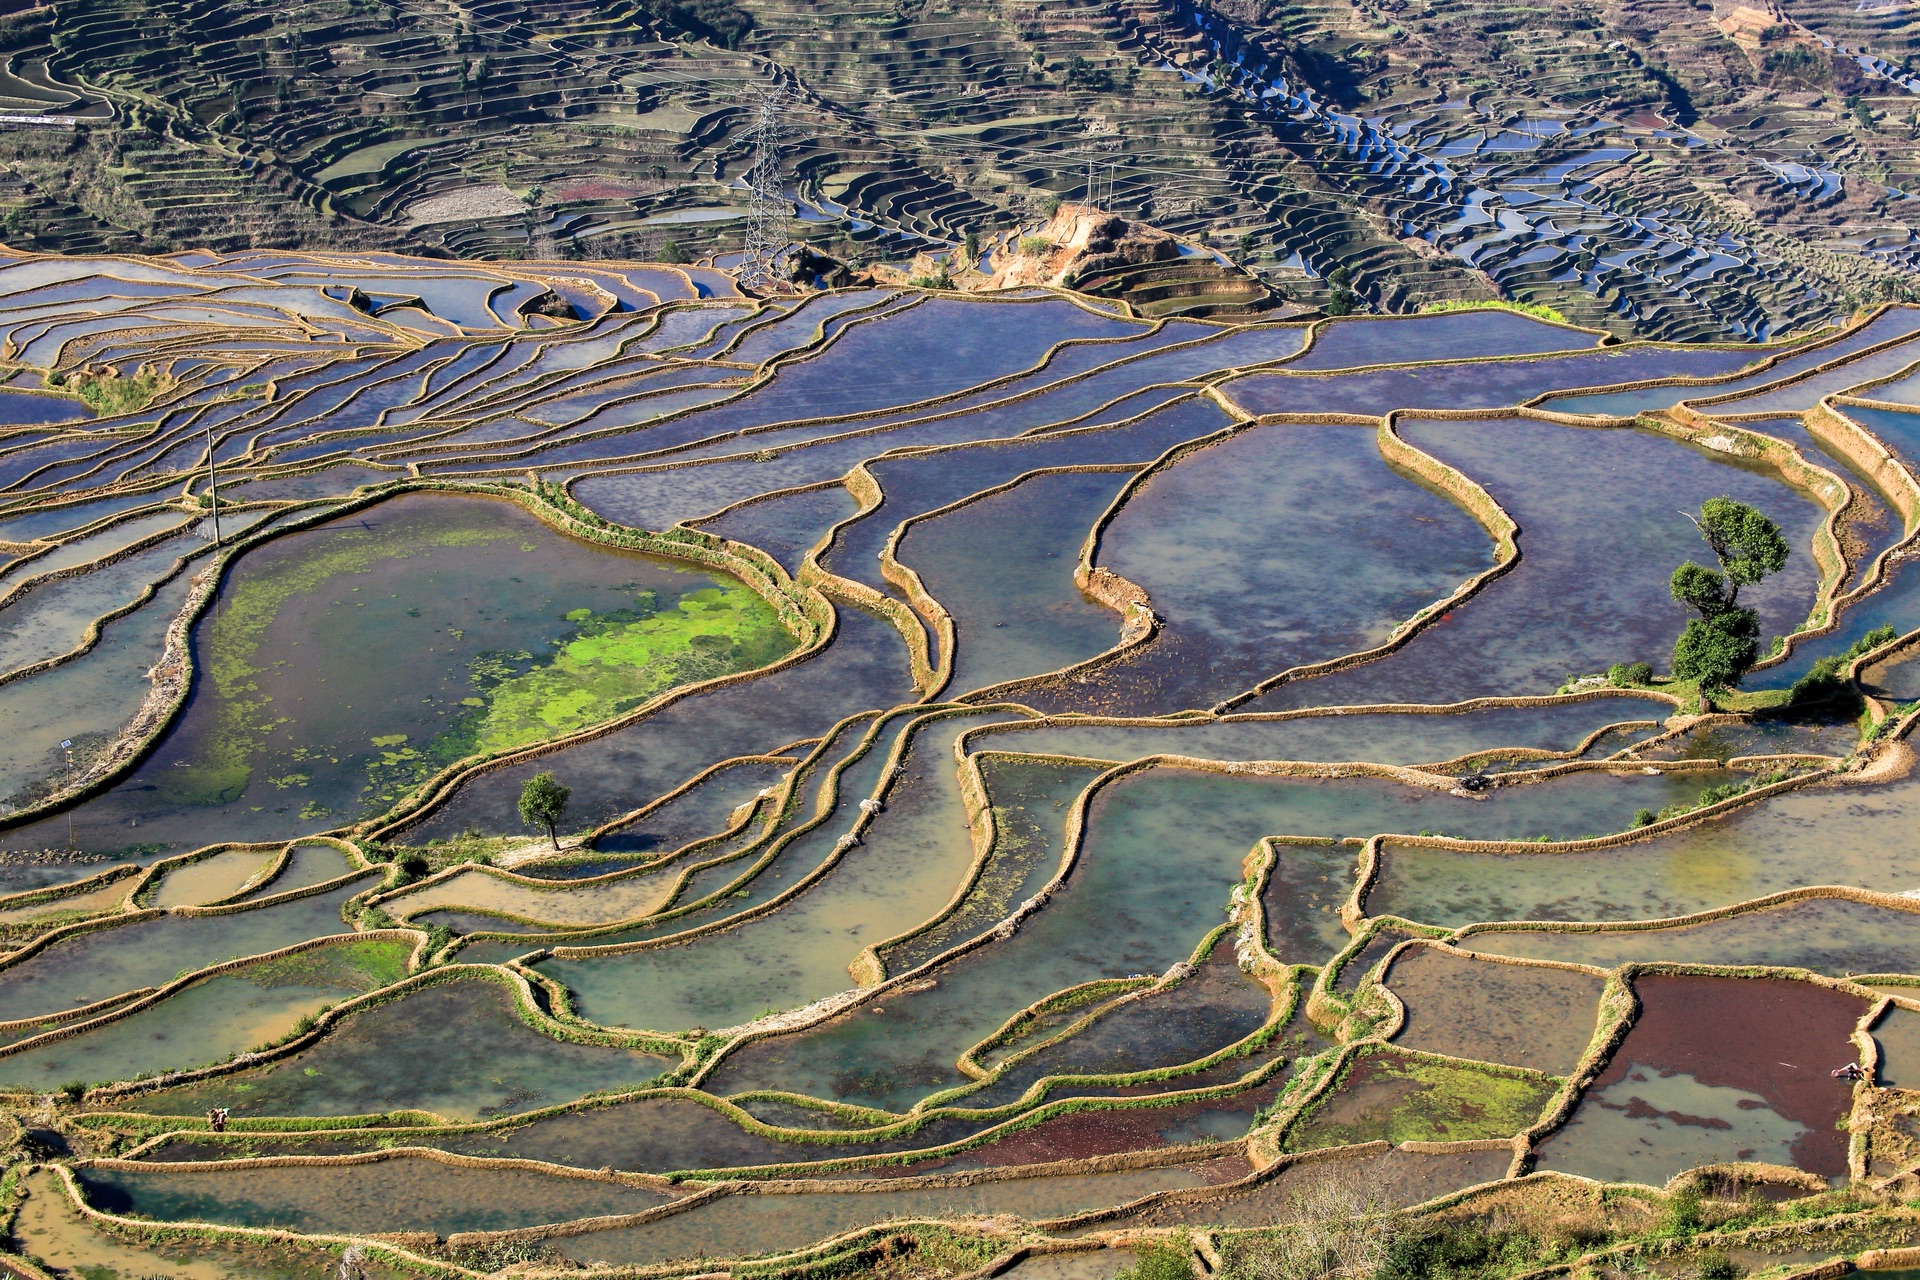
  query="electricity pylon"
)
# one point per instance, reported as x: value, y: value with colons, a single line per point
x: 767, y: 205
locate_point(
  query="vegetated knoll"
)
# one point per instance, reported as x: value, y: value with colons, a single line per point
x: 1109, y: 256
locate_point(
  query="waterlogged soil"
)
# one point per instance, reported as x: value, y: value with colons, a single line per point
x: 52, y: 1232
x: 492, y: 630
x: 1030, y: 799
x: 396, y: 1194
x: 1520, y: 1015
x: 1408, y: 1098
x: 87, y: 967
x: 341, y: 665
x: 23, y: 922
x: 224, y: 875
x: 738, y: 1226
x: 1254, y: 571
x: 1381, y: 737
x: 1860, y: 836
x: 1714, y: 1070
x: 864, y: 666
x: 1897, y: 1036
x: 1128, y: 908
x: 1586, y: 594
x: 907, y: 865
x: 457, y: 1049
x: 85, y: 701
x: 559, y: 906
x: 1214, y: 1009
x: 1832, y: 936
x: 787, y: 527
x: 1003, y: 568
x: 709, y: 808
x: 212, y: 1020
x: 1402, y: 1178
x: 309, y: 863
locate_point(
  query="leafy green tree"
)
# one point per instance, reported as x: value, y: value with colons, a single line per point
x: 1716, y: 652
x: 1749, y: 545
x: 543, y: 802
x: 1722, y: 644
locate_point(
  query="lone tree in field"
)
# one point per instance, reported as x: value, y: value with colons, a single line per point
x: 543, y: 802
x: 1723, y: 643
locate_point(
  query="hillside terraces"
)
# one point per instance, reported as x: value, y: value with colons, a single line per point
x: 1643, y: 171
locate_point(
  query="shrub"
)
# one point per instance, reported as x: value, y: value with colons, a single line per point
x: 1627, y: 675
x: 1161, y: 1260
x: 1035, y: 246
x: 1538, y: 310
x: 108, y: 393
x: 73, y: 1090
x: 1823, y: 677
x: 1725, y: 791
x: 1718, y: 1266
x: 1645, y: 818
x: 1452, y: 1249
x: 1342, y: 1229
x: 1716, y: 652
x: 1082, y: 74
x: 1683, y: 1212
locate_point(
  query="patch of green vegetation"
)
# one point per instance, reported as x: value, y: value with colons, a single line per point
x: 1160, y: 1260
x: 1823, y: 678
x: 365, y: 965
x: 109, y: 393
x: 616, y: 662
x: 1629, y: 675
x: 1538, y: 310
x: 1406, y: 1099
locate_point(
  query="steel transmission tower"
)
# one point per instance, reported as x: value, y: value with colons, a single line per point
x: 767, y: 205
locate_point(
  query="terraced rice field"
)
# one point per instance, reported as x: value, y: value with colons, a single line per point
x: 1043, y: 782
x: 1670, y: 169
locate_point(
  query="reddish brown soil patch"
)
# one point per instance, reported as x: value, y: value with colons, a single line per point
x: 1775, y: 1038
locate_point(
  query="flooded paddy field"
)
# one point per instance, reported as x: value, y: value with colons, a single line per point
x: 718, y: 778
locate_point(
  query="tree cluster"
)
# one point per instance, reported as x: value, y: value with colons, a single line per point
x: 1722, y: 643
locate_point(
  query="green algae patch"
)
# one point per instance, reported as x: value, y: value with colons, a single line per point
x: 621, y: 659
x: 1403, y: 1097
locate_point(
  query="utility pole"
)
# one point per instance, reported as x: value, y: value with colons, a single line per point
x: 66, y: 745
x: 767, y: 207
x: 213, y: 487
